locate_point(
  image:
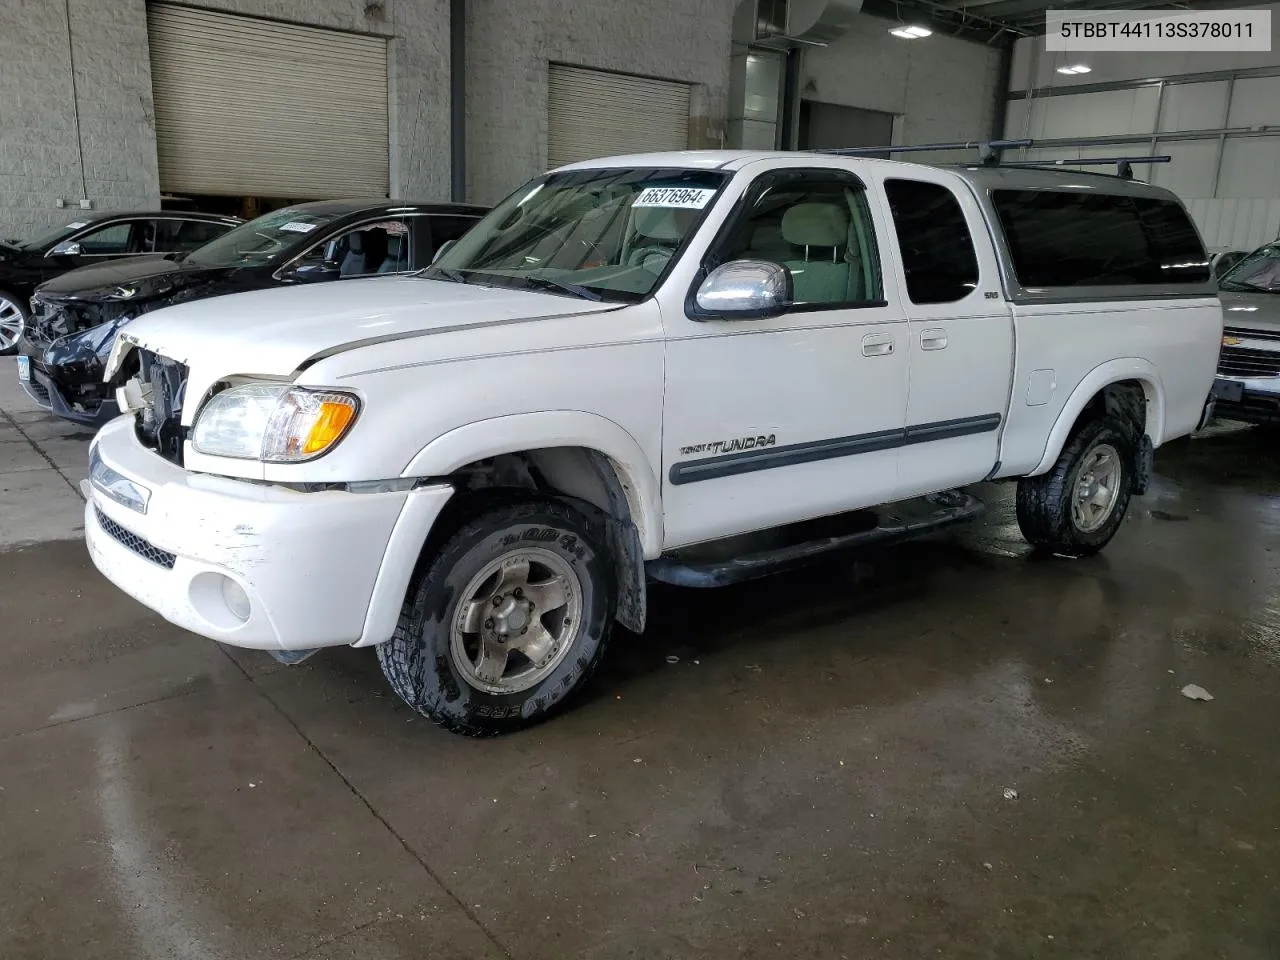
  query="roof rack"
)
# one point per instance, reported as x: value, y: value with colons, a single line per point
x: 988, y: 150
x: 990, y: 154
x: 1124, y: 165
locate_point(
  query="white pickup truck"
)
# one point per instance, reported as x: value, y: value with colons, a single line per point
x: 661, y: 366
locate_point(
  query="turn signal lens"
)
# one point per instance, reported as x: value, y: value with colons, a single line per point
x: 334, y: 418
x: 306, y: 424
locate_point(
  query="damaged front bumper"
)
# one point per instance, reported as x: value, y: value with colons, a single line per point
x: 45, y: 389
x: 250, y: 564
x: 65, y: 361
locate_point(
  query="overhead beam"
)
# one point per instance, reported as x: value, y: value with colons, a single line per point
x: 1028, y: 15
x: 942, y: 20
x: 1002, y: 9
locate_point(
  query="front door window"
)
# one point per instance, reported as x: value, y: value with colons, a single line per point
x: 108, y: 241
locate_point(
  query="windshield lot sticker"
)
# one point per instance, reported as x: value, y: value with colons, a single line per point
x: 297, y: 226
x: 77, y: 225
x: 682, y: 198
x: 730, y: 446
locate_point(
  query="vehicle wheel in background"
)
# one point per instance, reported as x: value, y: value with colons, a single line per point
x: 510, y: 617
x: 1076, y: 508
x: 13, y: 321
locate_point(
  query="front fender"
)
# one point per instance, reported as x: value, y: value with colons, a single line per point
x: 1103, y: 375
x: 553, y: 428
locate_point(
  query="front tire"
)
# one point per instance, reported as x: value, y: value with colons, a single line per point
x: 1076, y: 508
x: 13, y: 322
x: 510, y: 618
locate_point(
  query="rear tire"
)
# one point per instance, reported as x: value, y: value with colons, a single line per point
x: 510, y: 618
x: 1076, y: 508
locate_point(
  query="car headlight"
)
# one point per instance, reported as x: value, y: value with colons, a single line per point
x: 275, y: 422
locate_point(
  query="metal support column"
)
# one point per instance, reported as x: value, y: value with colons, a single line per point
x: 789, y: 134
x: 1004, y: 75
x: 1155, y: 126
x: 1222, y: 139
x: 457, y: 100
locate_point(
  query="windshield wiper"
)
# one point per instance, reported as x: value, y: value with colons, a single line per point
x: 573, y: 289
x: 450, y: 274
x: 1245, y: 285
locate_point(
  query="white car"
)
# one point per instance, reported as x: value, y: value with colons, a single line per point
x: 645, y: 367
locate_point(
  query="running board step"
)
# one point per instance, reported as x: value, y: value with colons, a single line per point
x: 785, y: 548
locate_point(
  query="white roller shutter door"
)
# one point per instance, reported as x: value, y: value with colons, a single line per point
x: 596, y: 114
x: 249, y: 107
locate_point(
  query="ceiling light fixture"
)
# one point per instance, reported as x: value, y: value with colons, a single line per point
x: 911, y: 32
x: 1075, y: 68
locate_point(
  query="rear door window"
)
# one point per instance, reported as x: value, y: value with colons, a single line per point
x: 193, y: 234
x: 1061, y: 238
x: 938, y: 257
x: 162, y: 235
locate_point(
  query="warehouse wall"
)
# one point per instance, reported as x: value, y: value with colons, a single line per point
x: 38, y: 163
x: 1212, y: 113
x: 510, y: 42
x: 944, y: 89
x: 38, y: 149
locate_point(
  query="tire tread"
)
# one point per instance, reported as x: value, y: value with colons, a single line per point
x: 1043, y: 502
x: 398, y: 655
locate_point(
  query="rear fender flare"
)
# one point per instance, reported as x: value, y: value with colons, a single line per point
x: 1101, y: 376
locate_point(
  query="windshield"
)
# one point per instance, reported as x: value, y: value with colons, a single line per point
x: 270, y: 237
x: 54, y: 236
x: 1260, y: 270
x: 594, y: 234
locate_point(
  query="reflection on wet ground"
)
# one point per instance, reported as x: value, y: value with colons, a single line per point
x: 943, y: 748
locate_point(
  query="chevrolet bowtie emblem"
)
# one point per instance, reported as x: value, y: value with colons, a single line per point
x: 1231, y: 341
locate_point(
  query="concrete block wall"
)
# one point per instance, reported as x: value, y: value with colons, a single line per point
x: 943, y: 88
x: 39, y: 161
x: 510, y: 43
x: 38, y: 148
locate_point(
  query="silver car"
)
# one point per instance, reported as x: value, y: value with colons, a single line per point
x: 1247, y: 387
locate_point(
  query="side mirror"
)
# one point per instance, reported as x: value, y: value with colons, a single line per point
x: 1226, y: 261
x: 311, y: 272
x: 745, y: 290
x: 67, y: 248
x: 444, y: 247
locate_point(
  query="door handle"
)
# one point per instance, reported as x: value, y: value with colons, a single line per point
x: 933, y: 339
x: 877, y: 345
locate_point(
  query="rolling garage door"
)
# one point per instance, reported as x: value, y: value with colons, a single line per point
x: 248, y: 107
x: 596, y: 114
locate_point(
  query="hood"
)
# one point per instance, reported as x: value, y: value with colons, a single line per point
x: 277, y: 331
x: 1251, y: 311
x: 152, y: 275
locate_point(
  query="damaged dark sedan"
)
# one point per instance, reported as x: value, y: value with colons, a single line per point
x: 75, y: 318
x: 92, y: 239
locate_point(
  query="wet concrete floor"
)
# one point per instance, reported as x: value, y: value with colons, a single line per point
x: 946, y: 748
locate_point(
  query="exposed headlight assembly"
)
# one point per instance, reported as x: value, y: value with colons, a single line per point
x: 273, y: 422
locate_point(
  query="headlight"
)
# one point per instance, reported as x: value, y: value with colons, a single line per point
x: 273, y: 422
x: 124, y: 292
